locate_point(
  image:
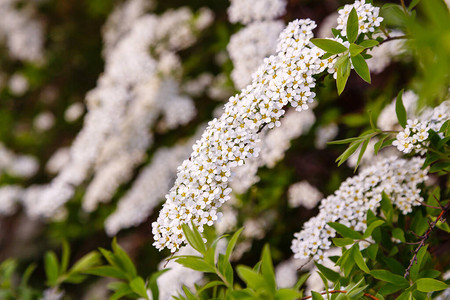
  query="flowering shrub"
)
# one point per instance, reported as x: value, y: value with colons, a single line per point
x: 206, y: 160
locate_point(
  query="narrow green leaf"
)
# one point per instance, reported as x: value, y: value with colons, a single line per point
x: 196, y: 263
x: 352, y: 26
x: 413, y: 4
x: 325, y: 283
x: 342, y: 242
x: 121, y: 292
x: 368, y: 43
x: 126, y: 262
x: 330, y: 46
x: 361, y: 153
x: 267, y: 268
x: 430, y: 285
x: 343, y: 72
x: 414, y: 271
x: 251, y: 278
x: 232, y: 243
x: 345, y: 231
x: 137, y: 285
x: 287, y: 294
x: 316, y: 296
x: 225, y: 269
x: 106, y: 271
x: 51, y: 268
x: 26, y: 275
x: 345, y: 141
x: 328, y: 273
x: 301, y: 281
x: 386, y: 207
x: 400, y: 109
x: 357, y: 256
x: 355, y: 49
x: 194, y: 238
x: 349, y: 151
x: 360, y: 65
x: 377, y: 146
x: 372, y: 251
x: 152, y: 283
x: 372, y: 227
x: 65, y: 255
x: 399, y: 234
x: 188, y: 293
x: 387, y: 276
x: 207, y: 286
x: 87, y: 261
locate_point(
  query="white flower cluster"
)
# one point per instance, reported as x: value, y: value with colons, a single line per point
x: 303, y: 193
x: 415, y: 135
x: 149, y: 188
x: 202, y: 181
x: 24, y: 166
x: 249, y: 46
x: 398, y: 178
x: 273, y: 144
x: 201, y: 186
x: 368, y: 17
x: 9, y: 195
x: 324, y: 134
x: 246, y: 11
x: 123, y: 109
x: 21, y: 30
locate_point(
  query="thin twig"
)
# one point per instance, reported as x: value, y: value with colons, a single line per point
x: 402, y: 37
x: 424, y: 238
x: 427, y: 205
x: 302, y: 266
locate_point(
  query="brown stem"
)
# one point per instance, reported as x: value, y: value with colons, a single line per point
x: 401, y: 37
x: 424, y: 238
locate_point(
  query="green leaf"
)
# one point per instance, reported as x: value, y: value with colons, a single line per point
x: 87, y: 261
x: 188, y: 293
x: 415, y: 268
x: 399, y: 234
x: 355, y: 49
x: 430, y: 285
x: 301, y: 281
x: 207, y: 286
x: 107, y: 271
x: 325, y: 283
x: 287, y: 294
x: 342, y: 242
x: 110, y: 257
x: 361, y: 153
x: 316, y: 296
x: 368, y: 43
x: 345, y: 231
x: 137, y: 285
x: 125, y: 261
x: 357, y: 256
x: 328, y: 273
x: 360, y: 65
x: 352, y: 26
x: 386, y: 207
x: 393, y: 15
x: 329, y: 46
x: 372, y: 227
x: 121, y: 292
x: 51, y: 268
x: 387, y: 276
x: 225, y: 269
x: 65, y: 255
x: 378, y: 144
x: 152, y: 283
x: 232, y: 243
x: 349, y: 151
x: 196, y: 263
x: 253, y: 280
x: 413, y: 4
x: 400, y: 109
x: 345, y: 141
x: 343, y: 72
x: 194, y: 238
x: 372, y: 251
x: 267, y: 268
